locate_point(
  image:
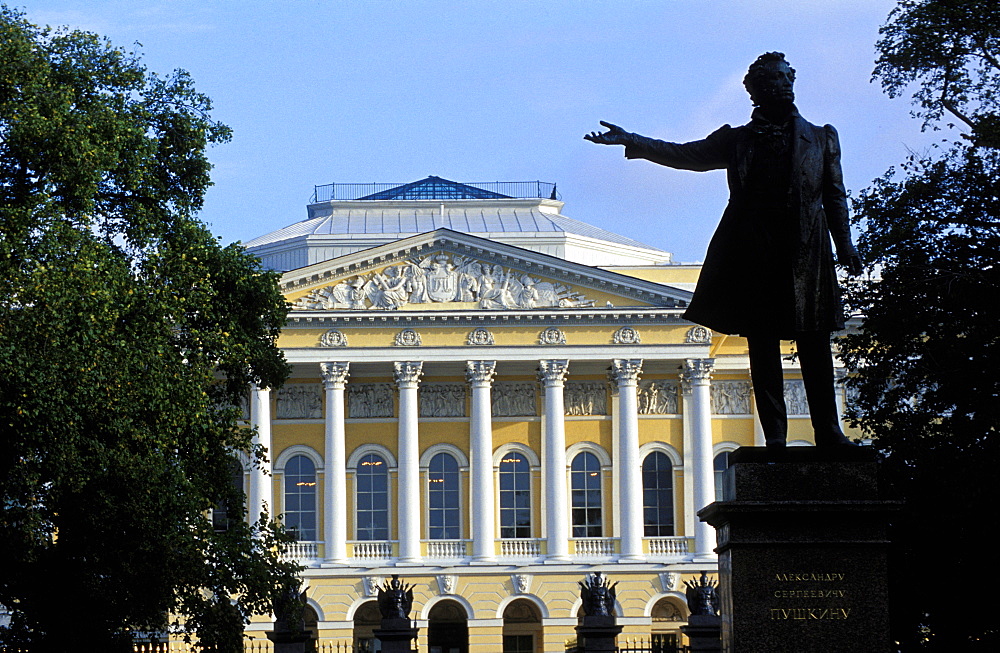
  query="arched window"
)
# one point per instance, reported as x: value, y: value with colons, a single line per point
x: 300, y: 498
x: 372, y: 498
x: 585, y: 481
x: 658, y: 495
x: 443, y: 498
x: 515, y: 496
x: 720, y: 464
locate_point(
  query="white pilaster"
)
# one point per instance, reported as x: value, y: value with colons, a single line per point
x: 552, y: 374
x: 335, y: 461
x: 260, y: 500
x: 480, y: 376
x: 698, y: 373
x: 407, y: 375
x: 626, y: 374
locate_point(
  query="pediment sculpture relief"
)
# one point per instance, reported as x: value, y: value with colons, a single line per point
x: 443, y: 278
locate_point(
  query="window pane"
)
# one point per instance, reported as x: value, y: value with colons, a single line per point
x: 444, y: 495
x: 372, y: 498
x: 515, y: 496
x: 300, y: 497
x: 658, y: 495
x: 585, y: 484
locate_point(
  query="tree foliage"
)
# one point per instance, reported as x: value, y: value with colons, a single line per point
x: 927, y: 356
x: 128, y: 338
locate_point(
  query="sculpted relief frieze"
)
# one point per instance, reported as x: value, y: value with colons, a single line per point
x: 657, y: 397
x: 299, y: 401
x: 586, y: 398
x: 442, y: 400
x: 443, y: 278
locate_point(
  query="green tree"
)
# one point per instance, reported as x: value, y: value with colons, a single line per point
x: 128, y: 339
x: 927, y: 357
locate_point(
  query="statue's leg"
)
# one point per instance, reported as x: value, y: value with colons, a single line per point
x: 817, y: 376
x: 769, y: 388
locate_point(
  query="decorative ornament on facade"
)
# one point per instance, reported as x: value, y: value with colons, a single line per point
x: 447, y: 583
x: 372, y: 584
x: 626, y: 371
x: 299, y: 401
x: 795, y: 398
x: 480, y: 336
x: 522, y: 583
x: 668, y: 580
x: 552, y: 336
x: 586, y: 398
x: 657, y: 397
x: 626, y: 336
x: 334, y: 374
x: 698, y: 369
x: 513, y: 399
x: 552, y: 371
x: 731, y: 397
x: 698, y: 335
x: 442, y: 400
x: 443, y: 277
x: 480, y: 372
x: 407, y: 372
x: 366, y: 400
x: 333, y: 338
x: 407, y: 338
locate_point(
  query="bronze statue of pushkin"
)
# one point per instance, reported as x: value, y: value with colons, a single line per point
x: 769, y: 271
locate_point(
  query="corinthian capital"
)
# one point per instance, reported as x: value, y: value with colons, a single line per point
x: 334, y: 374
x: 407, y: 372
x: 626, y: 370
x: 698, y: 369
x: 480, y: 372
x: 552, y: 371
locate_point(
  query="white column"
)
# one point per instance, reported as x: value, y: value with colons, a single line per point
x: 552, y: 374
x: 480, y: 377
x: 260, y: 500
x: 626, y: 374
x: 408, y: 491
x: 758, y: 428
x: 335, y: 463
x: 840, y: 376
x: 698, y: 373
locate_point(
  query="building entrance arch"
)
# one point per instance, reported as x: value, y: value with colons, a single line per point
x: 448, y: 628
x: 366, y: 619
x: 522, y: 627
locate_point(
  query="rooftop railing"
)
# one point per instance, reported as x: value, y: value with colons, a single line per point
x: 447, y: 190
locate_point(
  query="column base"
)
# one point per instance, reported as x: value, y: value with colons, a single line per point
x: 334, y: 563
x: 632, y: 558
x: 556, y: 560
x: 483, y: 560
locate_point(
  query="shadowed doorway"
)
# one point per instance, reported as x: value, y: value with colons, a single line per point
x: 448, y: 628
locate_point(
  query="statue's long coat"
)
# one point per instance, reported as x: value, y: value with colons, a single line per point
x: 729, y: 293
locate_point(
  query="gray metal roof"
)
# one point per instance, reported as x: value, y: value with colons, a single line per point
x: 396, y: 221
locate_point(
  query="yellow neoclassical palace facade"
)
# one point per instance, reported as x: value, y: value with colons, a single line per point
x: 493, y: 400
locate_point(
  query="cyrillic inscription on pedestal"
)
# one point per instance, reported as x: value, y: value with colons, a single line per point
x: 802, y: 564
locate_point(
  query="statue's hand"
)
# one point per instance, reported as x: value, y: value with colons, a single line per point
x: 851, y: 260
x: 614, y: 136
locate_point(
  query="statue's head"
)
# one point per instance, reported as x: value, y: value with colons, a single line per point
x: 769, y: 80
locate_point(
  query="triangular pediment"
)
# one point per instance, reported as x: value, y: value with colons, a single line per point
x: 448, y: 270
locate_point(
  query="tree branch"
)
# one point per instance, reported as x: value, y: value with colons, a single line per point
x: 949, y: 105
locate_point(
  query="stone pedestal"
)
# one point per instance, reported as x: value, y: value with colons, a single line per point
x: 396, y: 635
x: 597, y: 634
x: 703, y: 633
x: 288, y: 642
x: 802, y: 552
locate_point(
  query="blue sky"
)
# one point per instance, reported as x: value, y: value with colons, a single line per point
x: 361, y: 91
